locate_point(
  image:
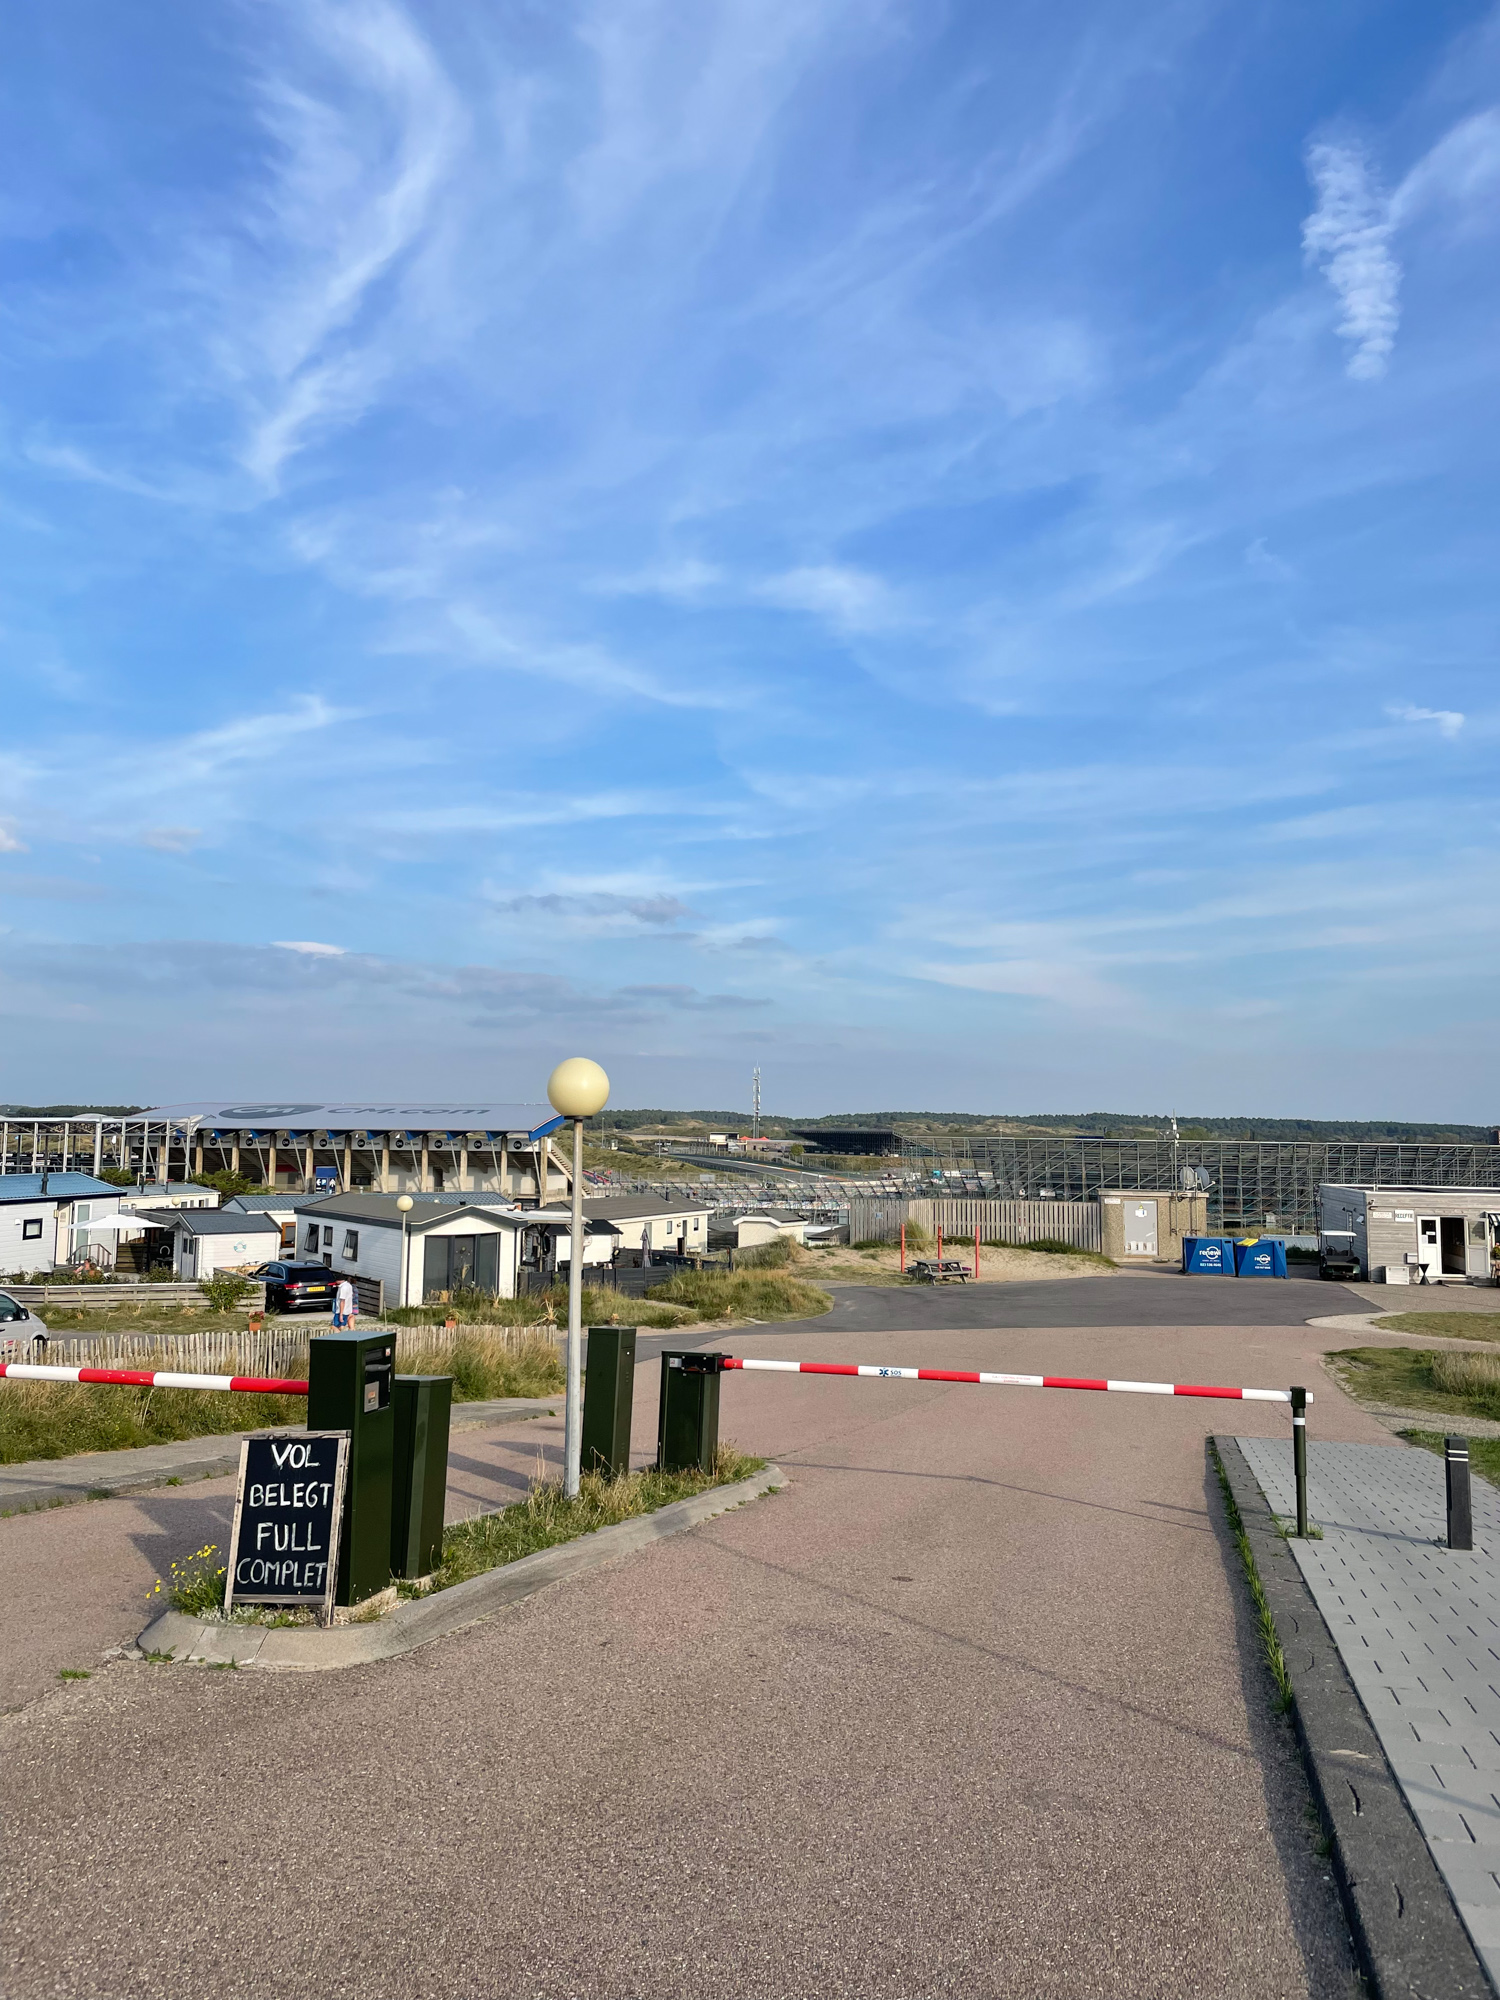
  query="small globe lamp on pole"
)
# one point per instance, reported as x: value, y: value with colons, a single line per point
x: 578, y: 1089
x: 403, y: 1202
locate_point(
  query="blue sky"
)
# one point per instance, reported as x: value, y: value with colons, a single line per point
x: 944, y: 551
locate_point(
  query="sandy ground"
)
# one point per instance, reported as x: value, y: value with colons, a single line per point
x: 974, y: 1707
x: 840, y: 1265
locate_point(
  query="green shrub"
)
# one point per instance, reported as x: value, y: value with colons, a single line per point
x: 225, y: 1289
x: 872, y: 1243
x: 117, y: 1176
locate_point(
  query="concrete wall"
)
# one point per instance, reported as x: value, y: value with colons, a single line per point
x: 1123, y: 1232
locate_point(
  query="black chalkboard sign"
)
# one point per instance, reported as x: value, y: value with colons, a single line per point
x: 287, y: 1513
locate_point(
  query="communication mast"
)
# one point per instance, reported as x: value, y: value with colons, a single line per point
x: 755, y: 1104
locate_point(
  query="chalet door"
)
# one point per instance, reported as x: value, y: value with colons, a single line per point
x: 1429, y: 1245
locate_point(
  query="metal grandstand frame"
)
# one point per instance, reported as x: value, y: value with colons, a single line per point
x: 1252, y: 1183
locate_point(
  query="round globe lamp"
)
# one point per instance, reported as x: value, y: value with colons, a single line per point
x: 578, y: 1089
x: 403, y: 1204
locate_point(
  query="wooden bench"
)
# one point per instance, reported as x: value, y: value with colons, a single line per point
x: 940, y: 1271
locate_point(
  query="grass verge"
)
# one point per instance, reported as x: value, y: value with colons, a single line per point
x: 544, y: 1518
x: 1412, y: 1378
x: 1445, y: 1326
x: 1266, y: 1624
x: 1484, y: 1453
x: 712, y: 1295
x: 59, y: 1419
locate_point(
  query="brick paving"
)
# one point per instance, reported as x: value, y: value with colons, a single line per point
x: 1418, y: 1627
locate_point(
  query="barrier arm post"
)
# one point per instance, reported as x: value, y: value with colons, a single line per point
x: 903, y: 1246
x: 1299, y: 1457
x: 976, y: 1256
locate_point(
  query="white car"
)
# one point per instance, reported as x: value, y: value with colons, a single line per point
x: 17, y: 1322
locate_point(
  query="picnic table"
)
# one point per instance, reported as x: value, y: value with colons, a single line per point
x: 940, y: 1270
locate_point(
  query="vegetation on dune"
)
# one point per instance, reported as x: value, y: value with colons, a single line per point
x: 713, y: 1295
x: 543, y: 1310
x: 1421, y: 1379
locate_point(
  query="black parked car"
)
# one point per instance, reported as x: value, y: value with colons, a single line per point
x: 298, y: 1287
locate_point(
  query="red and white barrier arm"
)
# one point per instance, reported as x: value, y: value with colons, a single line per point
x: 151, y: 1378
x: 1012, y: 1381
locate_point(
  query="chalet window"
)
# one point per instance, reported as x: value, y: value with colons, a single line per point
x: 31, y: 1229
x: 351, y: 1244
x: 312, y: 1236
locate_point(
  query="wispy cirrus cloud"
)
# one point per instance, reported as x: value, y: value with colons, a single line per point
x: 1348, y: 236
x: 1447, y: 721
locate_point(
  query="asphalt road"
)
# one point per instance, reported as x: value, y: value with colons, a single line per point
x: 974, y: 1707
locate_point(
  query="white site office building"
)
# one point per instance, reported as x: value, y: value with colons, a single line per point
x: 1412, y: 1235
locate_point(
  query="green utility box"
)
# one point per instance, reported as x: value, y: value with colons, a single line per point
x: 687, y: 1425
x: 419, y: 1483
x: 349, y: 1379
x: 608, y: 1400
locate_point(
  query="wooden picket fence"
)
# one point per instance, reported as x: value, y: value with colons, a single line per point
x: 1075, y: 1222
x: 273, y: 1350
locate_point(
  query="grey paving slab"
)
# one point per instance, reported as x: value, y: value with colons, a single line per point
x: 1418, y: 1628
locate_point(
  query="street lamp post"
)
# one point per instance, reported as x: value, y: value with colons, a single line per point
x: 403, y: 1202
x: 577, y: 1088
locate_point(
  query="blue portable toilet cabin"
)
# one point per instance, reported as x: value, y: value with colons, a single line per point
x: 1208, y: 1256
x: 1261, y: 1257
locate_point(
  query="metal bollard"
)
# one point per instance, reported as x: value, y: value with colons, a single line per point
x: 1460, y: 1513
x: 1299, y: 1456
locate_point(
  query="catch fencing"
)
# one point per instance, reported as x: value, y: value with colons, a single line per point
x: 872, y: 1220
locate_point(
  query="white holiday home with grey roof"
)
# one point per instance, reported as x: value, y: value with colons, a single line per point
x: 446, y: 1246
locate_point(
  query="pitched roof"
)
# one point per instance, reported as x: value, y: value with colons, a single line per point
x: 639, y: 1207
x: 426, y: 1210
x: 772, y: 1215
x: 61, y: 1187
x: 208, y: 1222
x: 265, y: 1204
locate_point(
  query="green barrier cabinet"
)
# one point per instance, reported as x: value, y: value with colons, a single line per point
x: 687, y: 1425
x: 608, y: 1399
x: 349, y: 1381
x: 419, y: 1484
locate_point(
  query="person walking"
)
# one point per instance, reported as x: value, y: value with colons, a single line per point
x: 345, y: 1306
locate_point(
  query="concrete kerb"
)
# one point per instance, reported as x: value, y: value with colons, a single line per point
x: 100, y: 1475
x: 1410, y: 1938
x: 421, y: 1620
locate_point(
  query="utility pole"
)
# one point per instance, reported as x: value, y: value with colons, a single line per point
x: 755, y: 1104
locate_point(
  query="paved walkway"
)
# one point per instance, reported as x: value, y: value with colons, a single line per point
x: 1418, y: 1627
x: 98, y: 1475
x: 974, y: 1708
